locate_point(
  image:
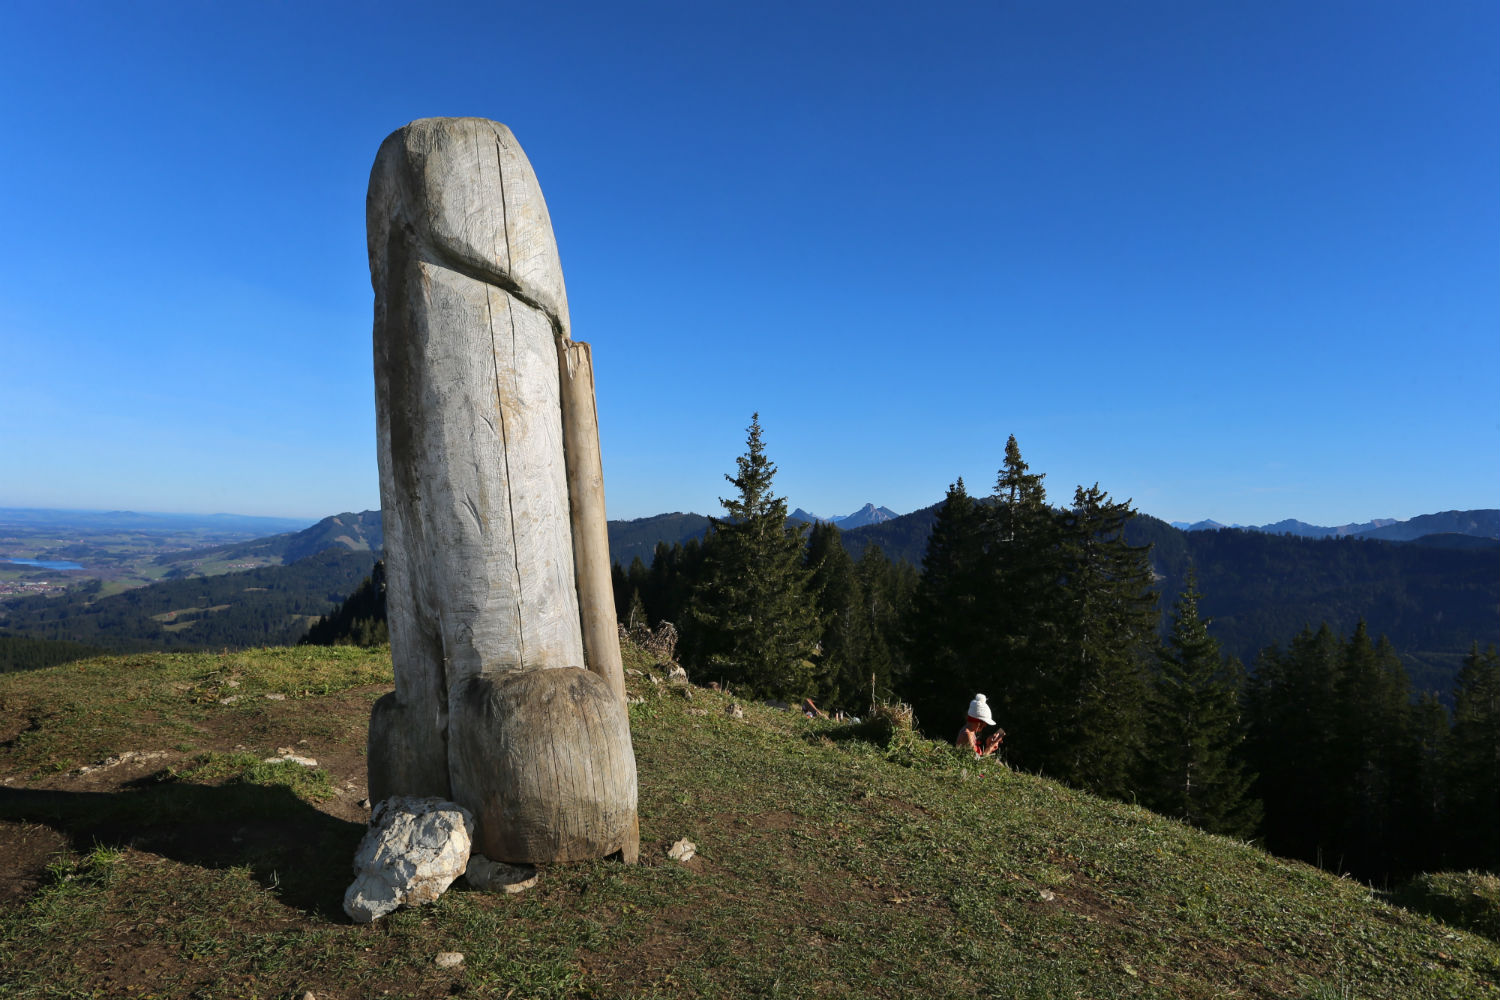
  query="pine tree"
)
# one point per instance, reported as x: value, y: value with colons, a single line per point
x: 885, y: 590
x: 1292, y: 701
x: 1196, y: 772
x: 1368, y: 788
x: 1021, y: 629
x: 943, y: 636
x: 755, y: 623
x: 1095, y: 691
x: 1425, y: 846
x: 844, y: 639
x: 1474, y: 762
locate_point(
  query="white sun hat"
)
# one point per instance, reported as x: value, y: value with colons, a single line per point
x: 979, y: 709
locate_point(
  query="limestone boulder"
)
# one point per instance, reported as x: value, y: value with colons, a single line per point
x: 413, y: 851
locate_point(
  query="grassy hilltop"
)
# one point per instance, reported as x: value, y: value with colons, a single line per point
x: 148, y: 850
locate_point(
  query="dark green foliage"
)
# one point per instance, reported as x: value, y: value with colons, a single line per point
x: 1432, y: 603
x: 1260, y: 588
x: 1350, y: 768
x: 1050, y: 613
x: 1371, y: 751
x: 1474, y: 763
x: 1424, y: 827
x: 885, y: 590
x: 1024, y: 620
x: 860, y: 606
x: 270, y: 606
x: 359, y: 621
x: 20, y: 653
x: 1293, y: 721
x: 753, y: 622
x: 640, y: 537
x: 1195, y: 733
x: 1107, y: 638
x: 944, y: 640
x: 844, y: 637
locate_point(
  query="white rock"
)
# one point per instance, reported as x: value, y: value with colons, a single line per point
x: 683, y: 850
x: 734, y: 711
x: 677, y: 675
x: 275, y: 697
x: 449, y: 959
x: 496, y: 876
x: 292, y: 758
x: 413, y: 851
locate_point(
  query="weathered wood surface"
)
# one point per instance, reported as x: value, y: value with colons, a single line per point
x: 487, y: 485
x: 546, y: 755
x: 596, y: 596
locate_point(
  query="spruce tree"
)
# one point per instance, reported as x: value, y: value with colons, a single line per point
x: 1196, y: 733
x: 1018, y: 648
x: 1294, y: 720
x: 885, y: 591
x: 1474, y: 762
x: 1369, y: 789
x: 944, y: 633
x: 755, y: 622
x: 1426, y: 836
x: 844, y: 646
x: 1094, y: 692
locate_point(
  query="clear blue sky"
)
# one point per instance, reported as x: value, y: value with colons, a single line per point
x: 1231, y: 260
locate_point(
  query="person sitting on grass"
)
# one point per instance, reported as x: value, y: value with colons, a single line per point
x: 979, y: 717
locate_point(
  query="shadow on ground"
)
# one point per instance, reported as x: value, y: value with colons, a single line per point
x: 298, y: 853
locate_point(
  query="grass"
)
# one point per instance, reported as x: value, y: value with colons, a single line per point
x: 833, y: 861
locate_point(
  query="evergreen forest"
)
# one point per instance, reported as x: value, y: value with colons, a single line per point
x: 1320, y: 746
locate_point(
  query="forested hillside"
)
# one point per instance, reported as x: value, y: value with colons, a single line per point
x: 271, y: 606
x: 361, y: 532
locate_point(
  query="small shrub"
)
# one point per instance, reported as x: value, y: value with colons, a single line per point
x: 1470, y: 900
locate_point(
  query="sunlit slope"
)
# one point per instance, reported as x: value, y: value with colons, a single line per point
x: 831, y: 861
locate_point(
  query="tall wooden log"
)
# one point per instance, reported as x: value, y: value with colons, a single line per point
x: 479, y: 454
x: 596, y: 596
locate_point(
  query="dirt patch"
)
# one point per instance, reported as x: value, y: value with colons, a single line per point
x: 781, y: 819
x: 26, y: 849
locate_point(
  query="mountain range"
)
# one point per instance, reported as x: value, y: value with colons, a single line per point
x: 1476, y: 523
x: 868, y: 514
x: 1432, y: 584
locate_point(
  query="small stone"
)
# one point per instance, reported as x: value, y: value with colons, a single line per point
x: 230, y: 700
x: 654, y: 679
x: 275, y: 697
x: 496, y: 876
x: 677, y: 675
x: 696, y: 711
x: 1047, y: 895
x: 734, y: 711
x: 449, y: 959
x: 308, y: 995
x: 632, y: 672
x: 291, y: 758
x: 683, y: 850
